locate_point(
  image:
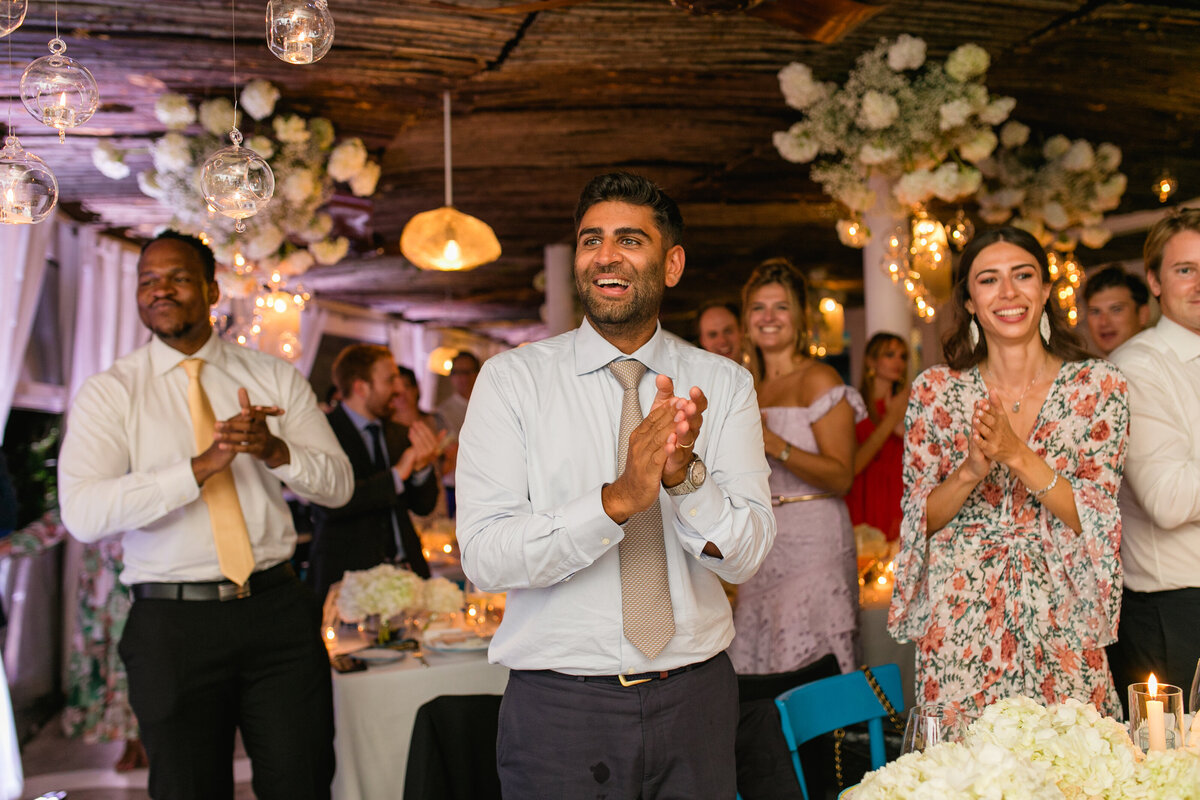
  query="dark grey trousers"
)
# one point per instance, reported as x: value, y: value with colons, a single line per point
x: 567, y: 737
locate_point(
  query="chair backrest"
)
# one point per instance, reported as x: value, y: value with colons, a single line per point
x: 812, y: 709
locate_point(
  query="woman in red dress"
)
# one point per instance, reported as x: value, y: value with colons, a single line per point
x: 875, y: 497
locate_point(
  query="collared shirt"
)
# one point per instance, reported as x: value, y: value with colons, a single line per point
x: 540, y: 441
x: 1160, y: 499
x: 125, y: 463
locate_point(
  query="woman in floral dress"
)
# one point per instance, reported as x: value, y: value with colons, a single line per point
x: 803, y: 602
x: 1008, y: 578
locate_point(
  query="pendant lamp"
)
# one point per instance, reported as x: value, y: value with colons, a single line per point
x: 447, y: 239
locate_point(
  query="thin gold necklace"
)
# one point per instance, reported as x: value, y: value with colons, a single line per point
x: 1016, y: 407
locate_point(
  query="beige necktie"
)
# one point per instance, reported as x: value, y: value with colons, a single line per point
x: 645, y: 592
x: 219, y: 491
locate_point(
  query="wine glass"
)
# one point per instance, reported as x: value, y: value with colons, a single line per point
x: 1194, y: 694
x: 933, y: 724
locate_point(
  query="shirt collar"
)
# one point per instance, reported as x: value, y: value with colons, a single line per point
x: 593, y: 351
x: 164, y: 358
x: 1183, y: 342
x: 359, y: 420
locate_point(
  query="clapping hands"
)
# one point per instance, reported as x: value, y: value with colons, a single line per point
x: 992, y: 436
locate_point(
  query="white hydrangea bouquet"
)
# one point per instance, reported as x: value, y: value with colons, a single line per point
x: 921, y: 123
x: 1052, y: 190
x: 293, y: 232
x: 1021, y: 749
x: 386, y: 592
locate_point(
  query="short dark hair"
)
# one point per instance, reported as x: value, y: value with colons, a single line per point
x: 1178, y: 221
x: 407, y: 374
x: 207, y: 259
x: 956, y: 344
x: 708, y: 305
x: 625, y: 187
x: 354, y: 363
x: 1114, y: 276
x: 474, y: 359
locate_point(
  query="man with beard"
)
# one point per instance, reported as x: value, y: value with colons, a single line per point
x: 392, y: 474
x: 609, y: 530
x: 181, y: 447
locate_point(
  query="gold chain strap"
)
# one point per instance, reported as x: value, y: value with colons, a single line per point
x: 839, y: 734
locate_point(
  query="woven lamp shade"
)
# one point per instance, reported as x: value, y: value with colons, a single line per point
x: 449, y: 240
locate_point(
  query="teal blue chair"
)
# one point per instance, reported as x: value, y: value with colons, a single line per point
x: 827, y: 704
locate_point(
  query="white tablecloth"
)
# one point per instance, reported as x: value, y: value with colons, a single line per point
x: 374, y: 713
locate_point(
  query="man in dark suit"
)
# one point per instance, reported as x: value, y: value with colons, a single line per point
x: 392, y: 474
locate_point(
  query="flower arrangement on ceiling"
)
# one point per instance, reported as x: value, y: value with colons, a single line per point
x: 293, y: 232
x: 933, y: 130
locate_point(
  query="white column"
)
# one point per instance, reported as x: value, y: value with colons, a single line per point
x: 887, y: 307
x: 559, y: 311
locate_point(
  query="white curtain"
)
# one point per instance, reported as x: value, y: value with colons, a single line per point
x: 411, y: 345
x: 313, y: 321
x: 22, y: 268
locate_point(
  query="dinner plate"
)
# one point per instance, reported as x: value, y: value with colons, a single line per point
x: 379, y: 655
x: 848, y: 792
x: 454, y: 641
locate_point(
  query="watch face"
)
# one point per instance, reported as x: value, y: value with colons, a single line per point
x: 697, y: 472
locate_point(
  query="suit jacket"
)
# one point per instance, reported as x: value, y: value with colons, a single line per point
x: 359, y: 534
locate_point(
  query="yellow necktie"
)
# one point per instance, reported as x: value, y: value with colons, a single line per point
x: 219, y: 491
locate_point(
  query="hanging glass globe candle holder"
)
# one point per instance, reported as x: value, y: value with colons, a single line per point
x: 28, y: 189
x: 12, y: 14
x: 299, y: 31
x: 58, y: 91
x: 960, y: 230
x: 237, y: 182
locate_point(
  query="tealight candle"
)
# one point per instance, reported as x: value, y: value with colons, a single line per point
x: 1156, y: 715
x: 1154, y: 718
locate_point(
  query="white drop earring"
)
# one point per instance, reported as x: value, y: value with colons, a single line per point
x: 973, y: 333
x: 1044, y: 326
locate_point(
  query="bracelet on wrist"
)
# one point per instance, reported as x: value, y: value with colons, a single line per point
x: 786, y: 452
x: 1038, y: 495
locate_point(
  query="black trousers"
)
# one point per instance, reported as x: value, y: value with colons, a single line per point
x: 566, y: 737
x: 200, y: 670
x: 1158, y: 633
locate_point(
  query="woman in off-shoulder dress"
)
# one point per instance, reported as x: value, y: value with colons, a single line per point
x: 803, y: 602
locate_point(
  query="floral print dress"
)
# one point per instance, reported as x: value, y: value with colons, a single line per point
x: 1006, y: 599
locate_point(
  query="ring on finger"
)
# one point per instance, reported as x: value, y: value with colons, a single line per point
x: 687, y: 446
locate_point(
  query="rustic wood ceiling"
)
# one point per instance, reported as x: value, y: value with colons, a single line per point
x: 547, y: 97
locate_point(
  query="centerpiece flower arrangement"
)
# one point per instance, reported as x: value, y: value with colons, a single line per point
x: 387, y: 591
x: 293, y: 232
x: 1019, y: 748
x: 933, y: 130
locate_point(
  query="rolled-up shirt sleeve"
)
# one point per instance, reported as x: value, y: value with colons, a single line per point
x: 318, y: 470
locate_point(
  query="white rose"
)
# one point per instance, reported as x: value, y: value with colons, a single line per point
x: 1094, y: 236
x: 261, y: 145
x: 998, y: 110
x: 1055, y: 215
x: 259, y: 99
x: 313, y: 230
x: 295, y: 263
x: 966, y: 62
x: 1005, y: 198
x: 217, y: 117
x: 347, y: 159
x: 110, y: 160
x: 799, y: 89
x: 265, y: 240
x: 914, y: 188
x: 442, y: 596
x: 947, y: 183
x: 174, y: 111
x: 330, y: 251
x: 994, y: 215
x: 796, y: 145
x: 363, y: 184
x: 236, y: 286
x: 874, y: 156
x: 1108, y: 194
x: 878, y: 110
x: 1080, y: 157
x: 1108, y: 156
x: 907, y: 52
x: 855, y: 196
x: 172, y: 153
x: 1055, y: 146
x: 953, y: 114
x: 148, y: 184
x: 1014, y: 134
x: 290, y: 129
x: 298, y: 186
x: 321, y: 130
x: 979, y: 147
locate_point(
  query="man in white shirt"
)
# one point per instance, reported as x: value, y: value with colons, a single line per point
x: 616, y: 690
x: 207, y: 655
x: 1160, y: 498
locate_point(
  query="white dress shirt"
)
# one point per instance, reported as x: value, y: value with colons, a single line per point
x: 125, y: 463
x: 1160, y: 498
x: 540, y: 441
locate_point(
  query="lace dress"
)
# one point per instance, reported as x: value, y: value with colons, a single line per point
x: 803, y: 602
x: 1006, y: 599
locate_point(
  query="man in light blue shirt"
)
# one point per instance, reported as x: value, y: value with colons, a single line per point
x: 544, y: 509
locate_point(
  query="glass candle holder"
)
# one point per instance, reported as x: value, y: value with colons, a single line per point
x: 1156, y: 720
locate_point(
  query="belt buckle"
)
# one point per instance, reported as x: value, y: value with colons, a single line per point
x: 626, y: 682
x: 233, y: 591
